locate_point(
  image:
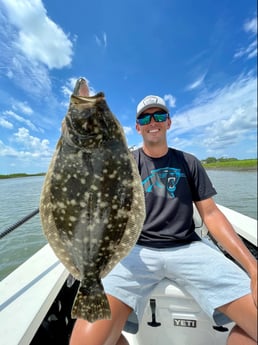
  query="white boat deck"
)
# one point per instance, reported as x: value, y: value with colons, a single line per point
x: 28, y: 292
x: 26, y: 295
x: 245, y: 226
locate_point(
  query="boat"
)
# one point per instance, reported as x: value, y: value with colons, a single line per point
x: 36, y: 300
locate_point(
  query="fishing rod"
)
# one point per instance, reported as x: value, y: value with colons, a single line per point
x: 19, y: 223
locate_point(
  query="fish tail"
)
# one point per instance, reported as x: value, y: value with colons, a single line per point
x: 91, y: 304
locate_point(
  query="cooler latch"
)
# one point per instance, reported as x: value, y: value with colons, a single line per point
x: 153, y: 322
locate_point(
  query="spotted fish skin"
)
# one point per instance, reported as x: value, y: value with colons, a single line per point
x: 92, y: 201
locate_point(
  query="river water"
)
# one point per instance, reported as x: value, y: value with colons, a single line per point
x: 20, y: 196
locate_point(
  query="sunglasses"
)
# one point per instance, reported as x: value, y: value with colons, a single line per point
x: 159, y: 116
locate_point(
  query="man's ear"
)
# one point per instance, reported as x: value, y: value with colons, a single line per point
x: 169, y: 123
x: 138, y: 128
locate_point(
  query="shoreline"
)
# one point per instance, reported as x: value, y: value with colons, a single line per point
x: 231, y: 168
x: 206, y: 167
x: 249, y: 164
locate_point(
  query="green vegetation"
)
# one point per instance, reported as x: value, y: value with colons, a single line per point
x: 230, y: 164
x: 20, y: 175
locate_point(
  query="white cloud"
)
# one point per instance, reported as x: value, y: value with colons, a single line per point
x: 250, y: 27
x: 228, y: 131
x: 31, y: 44
x: 29, y: 75
x: 12, y: 114
x: 198, y: 82
x: 35, y: 29
x: 6, y: 124
x: 23, y: 107
x: 30, y: 145
x: 250, y: 51
x: 171, y: 100
x: 31, y: 154
x: 128, y: 130
x: 7, y: 151
x: 101, y: 40
x: 220, y: 119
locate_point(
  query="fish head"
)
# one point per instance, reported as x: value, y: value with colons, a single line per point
x: 89, y: 123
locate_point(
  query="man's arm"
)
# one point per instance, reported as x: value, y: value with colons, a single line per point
x: 223, y: 232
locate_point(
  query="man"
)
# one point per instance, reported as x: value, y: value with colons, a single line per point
x: 168, y: 246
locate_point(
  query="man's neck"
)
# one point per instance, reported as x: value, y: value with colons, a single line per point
x: 155, y: 151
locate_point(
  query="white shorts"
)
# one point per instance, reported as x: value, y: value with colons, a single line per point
x: 212, y: 279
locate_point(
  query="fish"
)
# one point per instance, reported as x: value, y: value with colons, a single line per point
x: 91, y: 205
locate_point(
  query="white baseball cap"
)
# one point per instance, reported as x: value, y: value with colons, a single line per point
x: 151, y: 101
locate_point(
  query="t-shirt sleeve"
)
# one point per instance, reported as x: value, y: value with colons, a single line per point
x: 201, y: 185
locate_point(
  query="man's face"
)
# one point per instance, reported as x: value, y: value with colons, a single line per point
x: 154, y: 131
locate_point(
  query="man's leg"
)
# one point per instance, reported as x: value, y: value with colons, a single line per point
x: 244, y: 313
x: 103, y: 332
x: 122, y: 341
x: 238, y: 337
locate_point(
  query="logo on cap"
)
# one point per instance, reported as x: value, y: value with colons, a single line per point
x: 150, y: 100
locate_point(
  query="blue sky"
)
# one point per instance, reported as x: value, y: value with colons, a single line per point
x: 201, y: 56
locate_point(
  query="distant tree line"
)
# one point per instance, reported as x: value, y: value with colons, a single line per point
x: 215, y: 160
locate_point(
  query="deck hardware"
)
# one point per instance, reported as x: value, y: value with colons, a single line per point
x: 153, y: 322
x: 220, y: 328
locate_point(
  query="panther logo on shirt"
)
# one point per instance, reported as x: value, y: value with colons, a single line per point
x: 163, y: 180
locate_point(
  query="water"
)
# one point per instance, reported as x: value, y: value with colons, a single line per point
x: 236, y: 190
x: 20, y: 196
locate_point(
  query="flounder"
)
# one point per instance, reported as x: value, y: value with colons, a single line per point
x: 92, y: 202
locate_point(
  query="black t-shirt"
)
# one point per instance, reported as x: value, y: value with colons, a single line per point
x: 171, y: 184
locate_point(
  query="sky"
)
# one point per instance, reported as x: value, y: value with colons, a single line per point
x: 200, y: 56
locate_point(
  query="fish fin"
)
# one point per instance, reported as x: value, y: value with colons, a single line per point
x: 91, y: 304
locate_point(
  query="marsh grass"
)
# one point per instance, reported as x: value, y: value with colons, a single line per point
x: 245, y: 164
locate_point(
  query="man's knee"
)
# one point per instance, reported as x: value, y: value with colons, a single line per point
x: 122, y: 341
x: 238, y: 336
x: 244, y: 313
